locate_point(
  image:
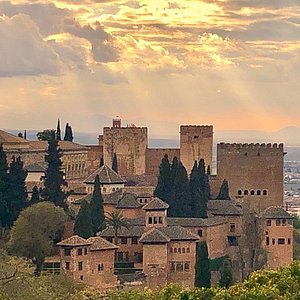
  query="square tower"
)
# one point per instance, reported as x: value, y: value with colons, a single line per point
x: 196, y: 142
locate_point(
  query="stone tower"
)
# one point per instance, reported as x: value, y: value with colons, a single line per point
x: 196, y: 142
x: 130, y: 144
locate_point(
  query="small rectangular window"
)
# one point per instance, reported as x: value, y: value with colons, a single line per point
x: 232, y: 227
x: 85, y: 251
x: 134, y: 240
x: 80, y: 266
x: 187, y: 250
x: 123, y: 240
x: 81, y: 277
x: 175, y: 250
x: 278, y: 222
x: 289, y: 241
x: 283, y: 222
x: 67, y: 266
x: 150, y: 220
x: 67, y: 252
x: 186, y: 267
x: 281, y: 241
x: 79, y: 251
x: 155, y: 220
x: 268, y: 222
x: 160, y: 220
x: 100, y: 267
x: 109, y: 239
x: 267, y: 241
x: 273, y: 241
x: 200, y: 232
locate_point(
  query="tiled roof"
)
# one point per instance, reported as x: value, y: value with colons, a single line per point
x: 98, y: 243
x: 106, y: 175
x: 128, y: 201
x: 9, y: 138
x: 113, y: 198
x: 156, y: 204
x: 36, y: 167
x: 224, y: 207
x: 195, y: 222
x: 136, y: 231
x: 276, y: 212
x: 63, y: 145
x: 74, y: 241
x: 154, y: 236
x: 178, y: 233
x: 145, y: 195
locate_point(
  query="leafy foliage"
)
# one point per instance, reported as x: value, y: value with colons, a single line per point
x: 45, y: 135
x: 68, y: 133
x: 83, y: 223
x: 58, y: 131
x: 226, y: 278
x: 202, y: 276
x: 35, y: 196
x: 35, y: 230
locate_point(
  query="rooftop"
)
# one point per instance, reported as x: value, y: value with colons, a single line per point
x: 98, y: 243
x: 156, y: 204
x: 276, y: 212
x: 224, y: 207
x: 106, y: 176
x: 128, y: 201
x: 74, y: 241
x: 36, y: 167
x: 154, y: 236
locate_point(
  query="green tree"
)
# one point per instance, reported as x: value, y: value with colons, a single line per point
x: 17, y: 192
x: 117, y: 221
x: 35, y: 196
x: 68, y: 133
x: 83, y: 223
x: 208, y: 172
x: 180, y: 205
x: 5, y: 219
x: 198, y: 205
x: 54, y: 176
x: 164, y: 185
x: 226, y: 278
x: 224, y: 191
x: 35, y: 231
x: 58, y: 131
x: 204, y: 187
x: 202, y: 276
x: 97, y: 210
x: 45, y: 135
x: 115, y: 163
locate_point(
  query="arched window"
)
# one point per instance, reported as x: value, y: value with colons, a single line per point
x: 265, y: 192
x: 252, y: 192
x: 258, y: 193
x: 240, y: 192
x: 246, y: 192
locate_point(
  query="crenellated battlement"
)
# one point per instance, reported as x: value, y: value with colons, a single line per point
x: 205, y: 129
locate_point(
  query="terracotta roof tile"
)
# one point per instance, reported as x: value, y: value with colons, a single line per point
x: 106, y: 175
x: 98, y: 243
x: 276, y: 212
x: 156, y: 204
x: 74, y: 241
x: 154, y: 236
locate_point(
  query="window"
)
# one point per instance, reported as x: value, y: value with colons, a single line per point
x: 200, y: 232
x: 268, y: 222
x: 283, y: 222
x: 281, y: 241
x: 80, y: 266
x: 155, y: 220
x: 67, y: 252
x: 187, y: 250
x: 160, y: 220
x: 79, y: 251
x: 265, y: 192
x: 110, y: 239
x: 252, y: 192
x: 67, y: 265
x: 289, y: 241
x: 175, y: 250
x: 240, y: 192
x: 186, y: 267
x: 100, y: 267
x: 183, y: 250
x: 134, y: 240
x: 104, y: 190
x: 81, y: 277
x: 258, y: 193
x: 232, y: 227
x: 267, y: 232
x: 246, y: 192
x: 138, y: 257
x: 273, y: 241
x: 232, y: 241
x: 179, y: 250
x: 179, y: 266
x: 171, y: 250
x: 123, y: 240
x: 267, y: 241
x: 278, y: 222
x: 150, y: 220
x: 196, y: 136
x: 85, y: 251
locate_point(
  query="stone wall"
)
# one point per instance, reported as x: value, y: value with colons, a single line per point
x: 254, y: 173
x: 196, y: 142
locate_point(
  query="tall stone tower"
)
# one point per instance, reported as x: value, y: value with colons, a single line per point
x: 196, y: 142
x: 129, y: 143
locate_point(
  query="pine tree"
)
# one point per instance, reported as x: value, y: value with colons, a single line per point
x: 17, y: 192
x: 5, y: 219
x: 202, y: 276
x: 58, y: 131
x: 164, y: 185
x: 68, y: 133
x: 205, y: 189
x: 101, y: 161
x: 226, y: 278
x: 224, y: 191
x: 115, y: 163
x: 35, y: 196
x: 97, y: 210
x: 83, y: 223
x: 54, y: 177
x: 198, y: 209
x: 180, y: 205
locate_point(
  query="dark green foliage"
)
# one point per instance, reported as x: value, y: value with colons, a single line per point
x: 224, y: 192
x: 4, y: 190
x: 45, y: 135
x: 25, y: 134
x: 296, y: 222
x: 180, y: 202
x: 115, y: 163
x: 58, y: 131
x: 198, y: 205
x: 35, y: 196
x: 68, y: 133
x: 17, y: 191
x: 96, y: 205
x: 202, y: 276
x: 208, y: 172
x: 83, y: 223
x: 174, y: 167
x: 54, y: 177
x: 101, y: 161
x: 226, y: 274
x: 216, y: 263
x: 164, y: 185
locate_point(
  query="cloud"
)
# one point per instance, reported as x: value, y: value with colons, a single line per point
x: 23, y: 50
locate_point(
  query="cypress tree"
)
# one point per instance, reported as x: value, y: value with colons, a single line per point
x: 54, y: 177
x: 101, y: 161
x: 180, y: 205
x: 68, y: 133
x: 174, y: 168
x: 35, y: 196
x: 208, y: 171
x: 224, y: 191
x: 164, y: 185
x: 17, y: 192
x: 58, y: 131
x: 198, y: 209
x: 25, y: 134
x: 5, y: 219
x: 204, y: 187
x: 96, y: 205
x: 115, y: 163
x: 83, y: 223
x: 202, y: 276
x: 226, y: 278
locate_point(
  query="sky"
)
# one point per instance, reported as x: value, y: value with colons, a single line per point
x: 234, y: 64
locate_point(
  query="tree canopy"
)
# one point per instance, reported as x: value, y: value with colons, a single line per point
x: 202, y: 276
x: 83, y: 222
x: 68, y: 133
x: 45, y: 135
x: 224, y: 191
